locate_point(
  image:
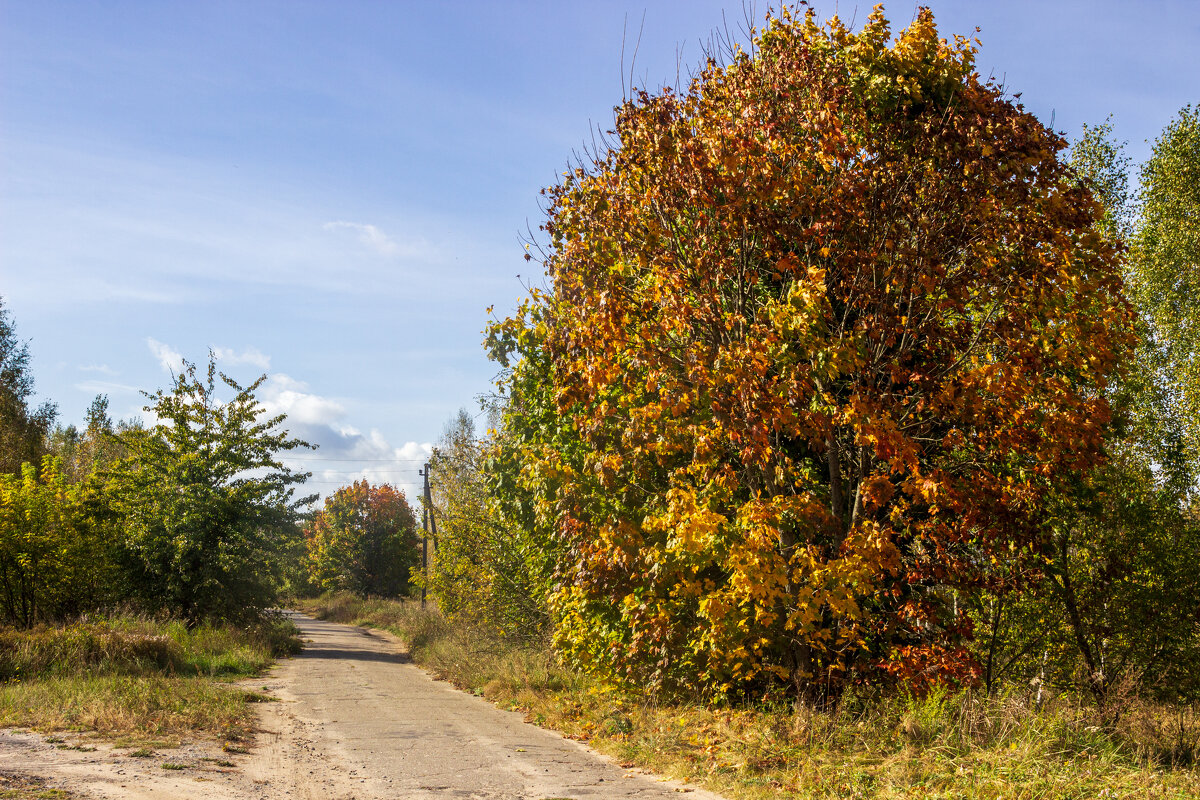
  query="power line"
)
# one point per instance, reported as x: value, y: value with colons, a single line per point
x: 335, y: 482
x: 369, y: 469
x: 358, y: 460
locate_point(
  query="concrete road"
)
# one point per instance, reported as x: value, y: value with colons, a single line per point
x: 358, y: 721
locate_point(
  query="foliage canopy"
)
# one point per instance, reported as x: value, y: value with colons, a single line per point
x: 1165, y: 275
x: 492, y: 566
x: 825, y: 331
x: 22, y: 429
x: 55, y: 546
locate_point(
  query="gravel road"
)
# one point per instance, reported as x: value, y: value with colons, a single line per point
x: 357, y: 720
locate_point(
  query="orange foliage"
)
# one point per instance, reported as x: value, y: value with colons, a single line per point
x: 830, y: 325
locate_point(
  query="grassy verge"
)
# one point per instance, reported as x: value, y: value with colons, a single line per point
x: 136, y: 680
x: 944, y: 746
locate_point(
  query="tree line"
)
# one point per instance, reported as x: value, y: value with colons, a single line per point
x: 196, y: 516
x: 847, y: 372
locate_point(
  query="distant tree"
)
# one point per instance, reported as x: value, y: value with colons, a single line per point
x: 205, y: 502
x: 1100, y: 164
x: 96, y: 447
x: 364, y: 541
x: 23, y: 430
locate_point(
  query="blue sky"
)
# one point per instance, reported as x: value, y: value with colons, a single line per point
x: 333, y: 193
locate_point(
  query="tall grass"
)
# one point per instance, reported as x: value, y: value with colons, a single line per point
x: 136, y: 677
x: 145, y: 706
x: 943, y: 745
x: 140, y: 646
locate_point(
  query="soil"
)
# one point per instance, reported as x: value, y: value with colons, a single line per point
x: 355, y: 721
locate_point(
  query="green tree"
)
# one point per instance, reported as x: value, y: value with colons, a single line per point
x: 1100, y: 164
x: 490, y: 568
x: 97, y: 447
x: 205, y: 502
x: 1164, y: 275
x: 1118, y: 600
x: 23, y: 430
x: 364, y: 541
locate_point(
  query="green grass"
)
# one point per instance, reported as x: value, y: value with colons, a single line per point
x: 942, y: 746
x: 136, y: 679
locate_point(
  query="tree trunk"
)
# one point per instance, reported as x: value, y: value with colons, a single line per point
x: 837, y: 502
x: 1066, y: 587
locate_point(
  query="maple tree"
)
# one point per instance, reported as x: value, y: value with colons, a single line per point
x: 1123, y: 595
x: 364, y: 541
x: 824, y: 332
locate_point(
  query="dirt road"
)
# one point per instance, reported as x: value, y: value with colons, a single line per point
x: 357, y: 721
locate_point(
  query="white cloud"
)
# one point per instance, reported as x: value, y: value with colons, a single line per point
x: 106, y: 387
x: 282, y: 394
x: 251, y: 355
x: 168, y: 359
x: 344, y: 454
x: 376, y: 240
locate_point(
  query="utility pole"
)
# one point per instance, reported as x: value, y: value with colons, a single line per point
x: 425, y: 520
x: 429, y: 505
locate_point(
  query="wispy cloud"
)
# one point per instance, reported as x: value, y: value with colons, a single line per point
x: 168, y: 359
x: 379, y: 242
x: 140, y: 294
x: 106, y: 387
x: 251, y: 355
x: 103, y: 369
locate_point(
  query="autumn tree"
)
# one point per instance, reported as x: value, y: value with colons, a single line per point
x: 204, y: 499
x: 1121, y: 597
x: 830, y: 326
x: 364, y: 541
x: 56, y: 547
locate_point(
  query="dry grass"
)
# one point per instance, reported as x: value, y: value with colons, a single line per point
x: 136, y: 679
x: 154, y: 707
x: 942, y: 746
x: 17, y: 786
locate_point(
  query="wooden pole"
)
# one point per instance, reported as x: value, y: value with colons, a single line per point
x: 425, y: 518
